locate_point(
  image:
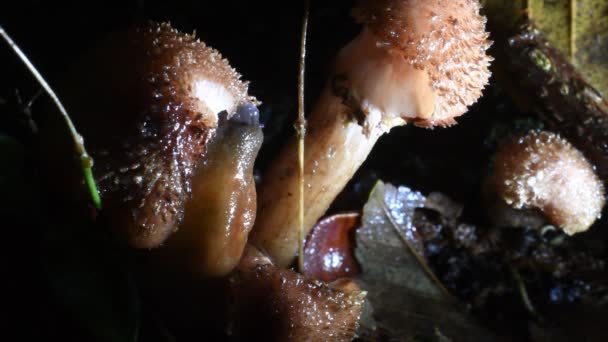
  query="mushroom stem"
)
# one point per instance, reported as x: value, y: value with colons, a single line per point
x: 336, y: 145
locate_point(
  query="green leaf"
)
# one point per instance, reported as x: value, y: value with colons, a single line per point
x: 408, y: 301
x: 88, y: 279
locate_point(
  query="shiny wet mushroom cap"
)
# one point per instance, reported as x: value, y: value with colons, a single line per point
x: 147, y: 101
x: 542, y: 170
x: 271, y: 303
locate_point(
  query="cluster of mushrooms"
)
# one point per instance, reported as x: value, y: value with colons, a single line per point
x: 176, y: 176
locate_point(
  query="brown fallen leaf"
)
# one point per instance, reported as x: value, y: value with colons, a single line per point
x: 408, y: 302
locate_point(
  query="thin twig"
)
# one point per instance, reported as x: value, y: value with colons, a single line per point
x: 85, y: 160
x: 301, y: 128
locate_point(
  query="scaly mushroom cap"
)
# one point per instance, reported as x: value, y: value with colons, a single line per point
x: 542, y: 170
x: 431, y: 61
x: 276, y: 304
x: 147, y: 100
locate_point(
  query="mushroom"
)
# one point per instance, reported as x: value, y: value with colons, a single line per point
x: 147, y: 101
x: 329, y: 249
x: 418, y: 61
x: 271, y: 303
x: 541, y: 170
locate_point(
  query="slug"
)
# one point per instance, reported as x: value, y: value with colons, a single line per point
x: 222, y: 209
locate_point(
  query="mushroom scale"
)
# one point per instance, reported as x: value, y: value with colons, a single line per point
x: 443, y: 40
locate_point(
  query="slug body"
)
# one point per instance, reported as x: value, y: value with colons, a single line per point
x: 222, y: 209
x: 146, y: 100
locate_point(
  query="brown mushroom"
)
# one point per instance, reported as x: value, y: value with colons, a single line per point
x: 541, y: 170
x: 271, y: 303
x: 329, y: 249
x: 419, y: 61
x: 147, y: 102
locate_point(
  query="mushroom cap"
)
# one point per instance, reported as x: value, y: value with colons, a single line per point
x: 443, y: 40
x: 179, y: 66
x: 542, y: 170
x: 278, y: 304
x: 147, y: 100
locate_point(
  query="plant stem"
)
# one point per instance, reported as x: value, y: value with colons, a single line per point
x: 86, y: 161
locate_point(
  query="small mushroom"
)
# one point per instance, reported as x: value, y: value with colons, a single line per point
x: 419, y: 61
x: 541, y: 170
x: 147, y: 102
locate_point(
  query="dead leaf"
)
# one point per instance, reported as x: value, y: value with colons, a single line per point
x: 407, y: 300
